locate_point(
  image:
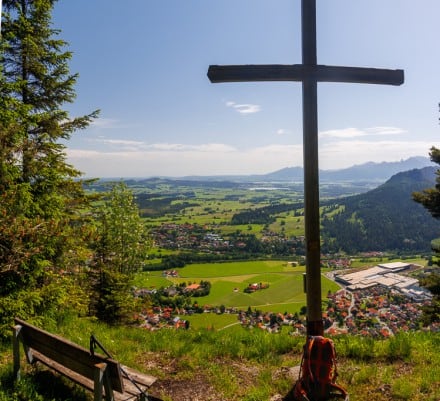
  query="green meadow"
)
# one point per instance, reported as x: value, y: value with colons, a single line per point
x: 228, y: 281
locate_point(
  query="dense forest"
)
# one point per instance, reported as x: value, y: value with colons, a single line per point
x: 385, y: 218
x: 264, y: 215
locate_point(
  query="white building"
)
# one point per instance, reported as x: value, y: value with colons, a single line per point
x: 384, y: 274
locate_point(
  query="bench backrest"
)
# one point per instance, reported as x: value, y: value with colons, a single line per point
x: 69, y: 354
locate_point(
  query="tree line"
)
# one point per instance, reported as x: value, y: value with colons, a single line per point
x: 264, y: 215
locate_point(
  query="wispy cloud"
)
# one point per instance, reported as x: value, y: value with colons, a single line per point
x: 123, y: 142
x: 356, y: 132
x: 118, y: 144
x: 179, y: 147
x: 244, y: 108
x: 385, y: 131
x: 342, y: 133
x: 105, y: 123
x: 283, y: 131
x: 131, y: 146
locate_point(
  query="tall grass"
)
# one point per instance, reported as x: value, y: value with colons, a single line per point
x: 245, y: 364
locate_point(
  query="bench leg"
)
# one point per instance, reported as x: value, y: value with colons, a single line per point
x: 102, y: 381
x: 108, y: 388
x: 16, y: 351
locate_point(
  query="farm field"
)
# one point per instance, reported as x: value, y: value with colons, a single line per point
x: 229, y: 280
x: 214, y: 204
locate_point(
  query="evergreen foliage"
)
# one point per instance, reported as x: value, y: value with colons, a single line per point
x: 263, y: 215
x: 430, y: 199
x: 123, y: 242
x: 114, y: 301
x: 121, y: 247
x: 43, y: 231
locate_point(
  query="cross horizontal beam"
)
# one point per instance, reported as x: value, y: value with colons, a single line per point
x: 301, y: 72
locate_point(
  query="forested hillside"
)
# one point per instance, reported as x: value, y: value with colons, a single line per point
x: 386, y: 218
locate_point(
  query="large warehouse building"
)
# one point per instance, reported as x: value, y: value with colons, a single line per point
x: 387, y: 275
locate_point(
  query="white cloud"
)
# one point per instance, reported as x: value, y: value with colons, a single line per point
x: 282, y: 131
x: 124, y: 145
x: 117, y: 142
x: 104, y: 123
x: 384, y: 131
x: 179, y: 147
x: 356, y: 132
x: 342, y: 133
x: 244, y: 108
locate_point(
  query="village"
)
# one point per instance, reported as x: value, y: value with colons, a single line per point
x: 371, y: 312
x: 190, y: 237
x: 369, y: 304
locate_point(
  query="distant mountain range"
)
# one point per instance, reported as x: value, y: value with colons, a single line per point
x: 363, y: 172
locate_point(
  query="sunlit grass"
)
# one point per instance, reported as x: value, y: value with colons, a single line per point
x: 243, y: 364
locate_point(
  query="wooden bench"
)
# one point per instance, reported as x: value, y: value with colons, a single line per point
x: 104, y: 376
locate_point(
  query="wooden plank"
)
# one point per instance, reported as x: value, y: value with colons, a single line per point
x: 69, y: 354
x: 72, y: 375
x: 140, y: 378
x: 135, y: 382
x: 301, y: 72
x: 132, y: 391
x: 131, y: 396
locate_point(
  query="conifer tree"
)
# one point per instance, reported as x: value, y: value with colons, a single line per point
x: 41, y: 197
x: 430, y: 199
x: 123, y: 243
x: 120, y: 250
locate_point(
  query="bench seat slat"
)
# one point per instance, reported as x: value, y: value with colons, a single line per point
x: 77, y: 378
x: 141, y: 379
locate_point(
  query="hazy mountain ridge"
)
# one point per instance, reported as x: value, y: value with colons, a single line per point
x: 377, y: 171
x: 370, y: 171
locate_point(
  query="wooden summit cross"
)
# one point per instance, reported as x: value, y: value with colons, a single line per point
x: 309, y: 73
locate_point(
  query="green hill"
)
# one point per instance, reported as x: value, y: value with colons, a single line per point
x: 384, y: 219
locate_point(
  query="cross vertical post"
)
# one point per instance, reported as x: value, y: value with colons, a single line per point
x: 309, y: 73
x: 311, y: 171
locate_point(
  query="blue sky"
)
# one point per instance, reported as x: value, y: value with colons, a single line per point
x: 144, y: 64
